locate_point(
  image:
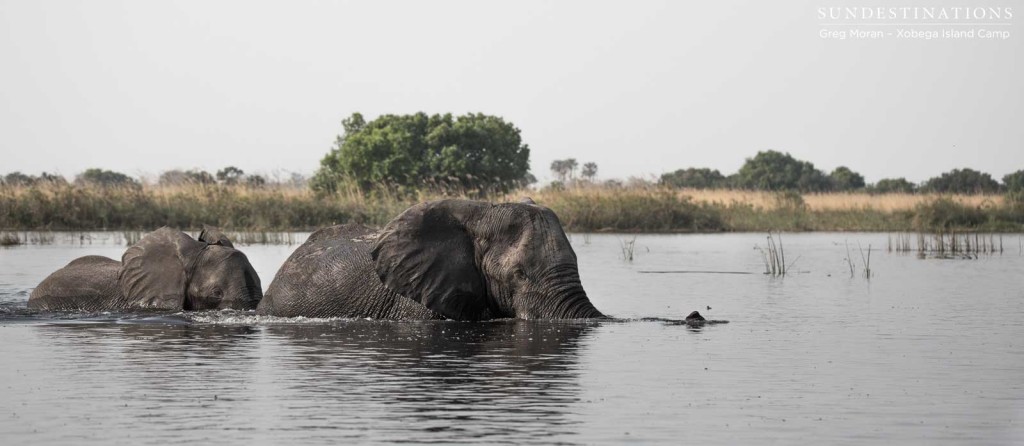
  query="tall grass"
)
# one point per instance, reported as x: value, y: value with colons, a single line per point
x: 643, y: 208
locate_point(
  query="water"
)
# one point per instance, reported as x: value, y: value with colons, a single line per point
x: 927, y: 351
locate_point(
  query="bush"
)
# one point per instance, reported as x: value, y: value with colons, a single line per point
x: 962, y: 181
x: 18, y: 179
x: 844, y: 179
x: 893, y: 185
x: 631, y: 209
x: 694, y: 178
x: 108, y: 178
x: 944, y: 213
x: 181, y: 177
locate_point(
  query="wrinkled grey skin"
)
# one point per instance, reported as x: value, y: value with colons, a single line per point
x: 453, y: 259
x: 165, y: 270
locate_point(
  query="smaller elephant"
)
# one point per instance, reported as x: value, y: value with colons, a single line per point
x: 165, y: 270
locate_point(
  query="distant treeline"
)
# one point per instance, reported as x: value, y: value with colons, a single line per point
x: 768, y: 171
x: 776, y: 171
x: 228, y: 176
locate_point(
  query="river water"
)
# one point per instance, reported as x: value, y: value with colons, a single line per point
x: 926, y: 351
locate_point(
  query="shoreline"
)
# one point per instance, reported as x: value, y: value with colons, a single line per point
x: 590, y: 208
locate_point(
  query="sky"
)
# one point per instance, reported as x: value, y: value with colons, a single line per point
x: 639, y: 87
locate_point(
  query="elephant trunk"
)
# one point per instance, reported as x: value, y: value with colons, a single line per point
x: 565, y: 298
x: 576, y: 307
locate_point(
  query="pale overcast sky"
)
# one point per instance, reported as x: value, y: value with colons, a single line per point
x: 640, y: 87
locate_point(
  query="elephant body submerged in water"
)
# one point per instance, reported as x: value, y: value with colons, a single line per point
x: 454, y: 259
x: 165, y: 270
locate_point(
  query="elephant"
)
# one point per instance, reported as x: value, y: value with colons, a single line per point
x: 447, y: 259
x: 165, y: 270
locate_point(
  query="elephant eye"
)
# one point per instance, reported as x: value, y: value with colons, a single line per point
x: 218, y: 293
x: 520, y: 275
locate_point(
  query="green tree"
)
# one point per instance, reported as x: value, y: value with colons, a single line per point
x: 565, y: 169
x: 471, y: 152
x: 560, y: 170
x: 844, y: 179
x: 1014, y: 182
x: 200, y: 177
x: 962, y: 181
x: 230, y: 175
x: 589, y: 171
x: 19, y: 179
x: 696, y: 178
x: 893, y: 185
x: 775, y: 171
x: 255, y: 181
x: 101, y: 177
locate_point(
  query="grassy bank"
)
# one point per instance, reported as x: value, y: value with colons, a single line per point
x: 630, y: 209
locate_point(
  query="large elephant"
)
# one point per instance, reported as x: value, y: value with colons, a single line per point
x: 454, y: 259
x: 165, y: 270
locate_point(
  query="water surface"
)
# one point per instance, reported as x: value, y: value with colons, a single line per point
x: 928, y: 351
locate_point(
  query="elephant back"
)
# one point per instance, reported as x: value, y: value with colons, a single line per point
x: 331, y: 275
x: 154, y: 271
x: 86, y: 284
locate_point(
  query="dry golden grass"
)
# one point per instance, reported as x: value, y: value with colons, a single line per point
x: 891, y: 202
x: 837, y: 201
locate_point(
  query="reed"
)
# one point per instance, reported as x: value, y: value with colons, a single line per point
x: 9, y: 239
x: 627, y: 246
x: 774, y: 256
x: 849, y: 260
x: 949, y: 244
x: 866, y: 260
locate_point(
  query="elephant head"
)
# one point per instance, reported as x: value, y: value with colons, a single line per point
x: 471, y: 260
x: 169, y: 270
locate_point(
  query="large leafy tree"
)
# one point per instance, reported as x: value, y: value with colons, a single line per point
x: 962, y: 181
x: 776, y: 171
x: 470, y: 152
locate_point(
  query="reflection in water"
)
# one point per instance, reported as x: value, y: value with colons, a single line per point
x: 511, y: 381
x: 508, y: 380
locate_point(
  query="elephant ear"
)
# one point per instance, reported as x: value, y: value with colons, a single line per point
x: 153, y: 271
x: 427, y: 255
x: 213, y: 236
